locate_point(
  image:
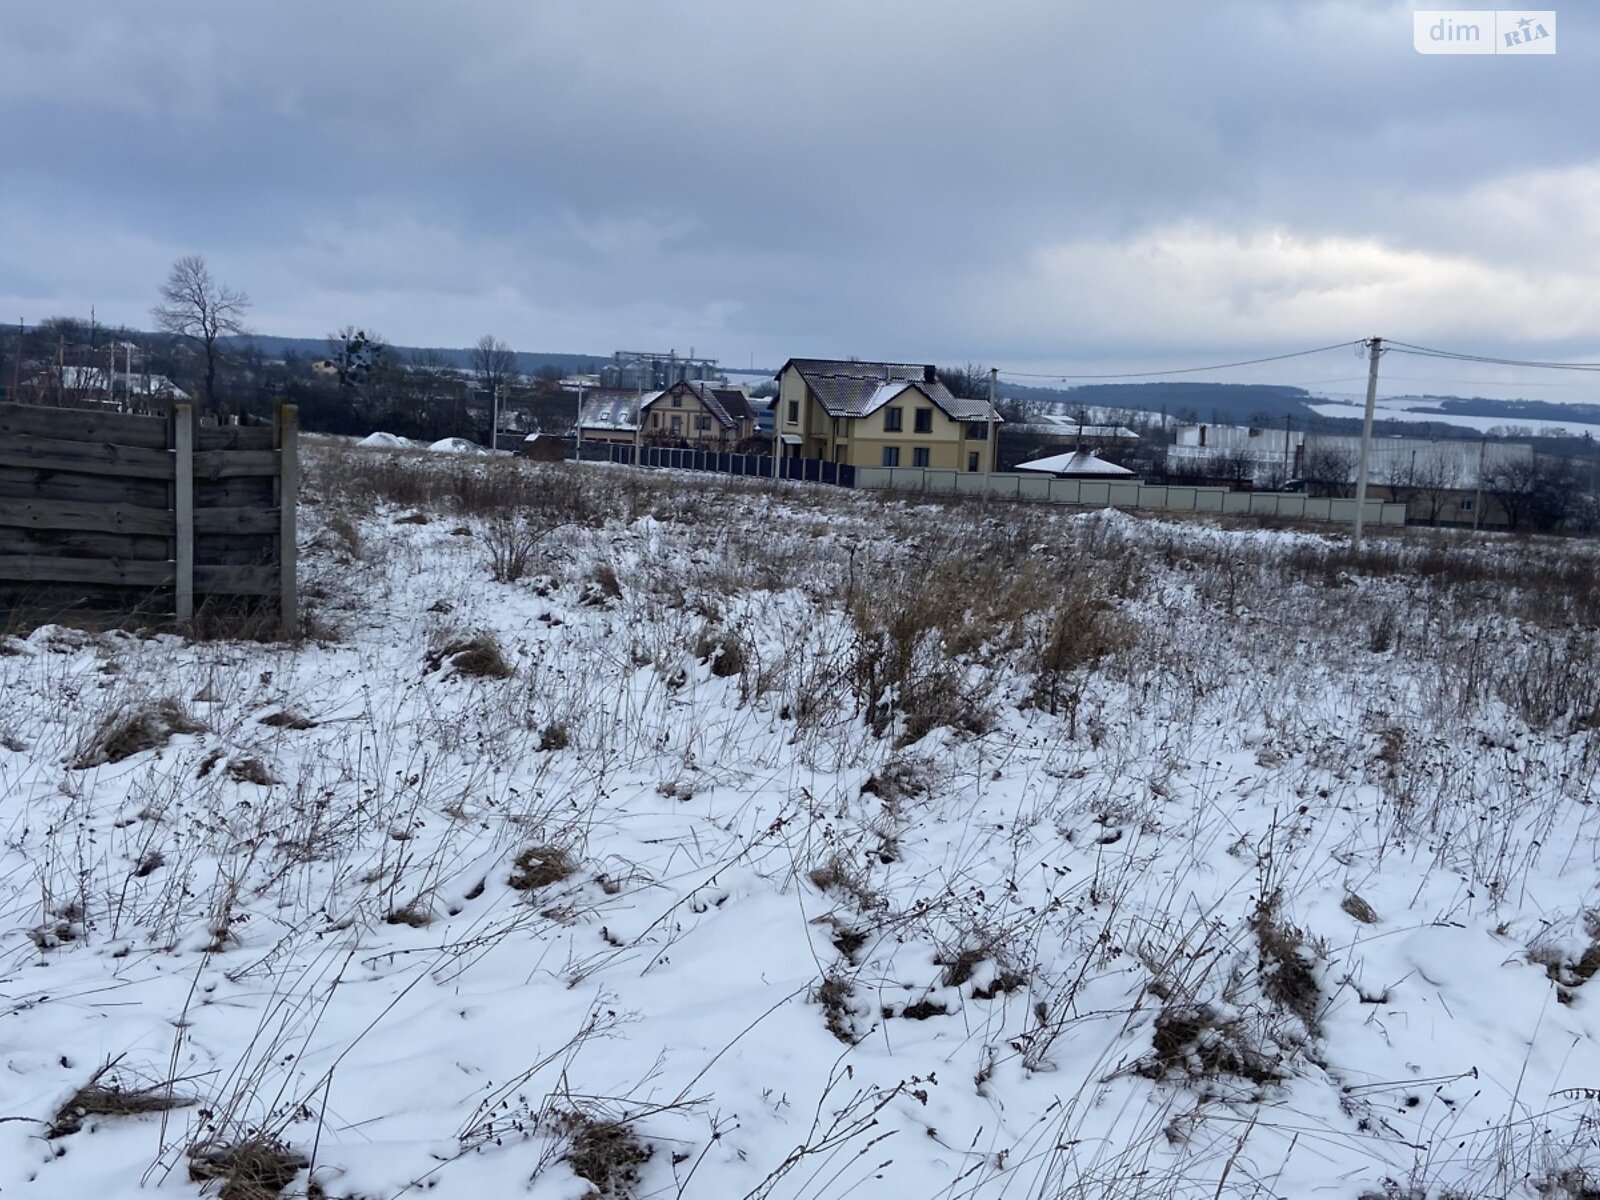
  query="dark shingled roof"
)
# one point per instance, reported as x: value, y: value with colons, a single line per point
x: 858, y: 389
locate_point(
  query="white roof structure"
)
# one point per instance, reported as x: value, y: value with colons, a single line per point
x: 616, y: 411
x: 1077, y: 464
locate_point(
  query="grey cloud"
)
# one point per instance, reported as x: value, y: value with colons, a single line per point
x: 831, y: 177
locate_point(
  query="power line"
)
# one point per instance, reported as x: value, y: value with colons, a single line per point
x: 1456, y: 356
x: 1249, y: 362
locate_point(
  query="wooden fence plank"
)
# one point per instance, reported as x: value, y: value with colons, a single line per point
x: 20, y: 484
x: 236, y: 552
x: 235, y: 581
x: 226, y: 520
x: 110, y: 518
x: 236, y: 437
x: 235, y: 464
x: 75, y: 543
x: 30, y: 420
x: 288, y: 507
x: 251, y: 491
x: 183, y: 512
x: 110, y: 572
x: 85, y: 458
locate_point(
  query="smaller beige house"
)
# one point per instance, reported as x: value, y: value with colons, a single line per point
x: 875, y: 414
x: 699, y: 414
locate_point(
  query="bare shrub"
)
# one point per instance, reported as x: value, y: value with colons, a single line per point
x: 121, y: 735
x: 554, y: 736
x: 1383, y: 630
x: 511, y: 543
x: 1082, y: 629
x: 347, y: 535
x: 1553, y: 685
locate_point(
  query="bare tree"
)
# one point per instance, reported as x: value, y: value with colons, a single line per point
x: 1330, y: 470
x: 1540, y: 492
x: 1438, y: 478
x: 197, y: 307
x: 494, y: 364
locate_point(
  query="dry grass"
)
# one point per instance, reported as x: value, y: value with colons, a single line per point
x: 106, y: 1095
x: 540, y: 866
x: 121, y: 735
x: 478, y: 656
x: 607, y: 1153
x: 258, y: 1168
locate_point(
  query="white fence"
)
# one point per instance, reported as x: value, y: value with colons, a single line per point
x: 1091, y: 493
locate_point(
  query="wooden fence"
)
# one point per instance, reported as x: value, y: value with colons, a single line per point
x: 102, y: 510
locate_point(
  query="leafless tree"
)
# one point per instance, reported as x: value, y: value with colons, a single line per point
x: 1329, y: 470
x: 1233, y: 467
x: 494, y: 364
x: 1437, y: 478
x: 195, y: 306
x: 1541, y: 492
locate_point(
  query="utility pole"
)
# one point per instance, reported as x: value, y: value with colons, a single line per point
x: 16, y: 365
x: 494, y: 435
x: 638, y: 423
x: 1477, y: 500
x: 992, y: 428
x: 1375, y: 346
x: 1288, y: 471
x: 577, y: 446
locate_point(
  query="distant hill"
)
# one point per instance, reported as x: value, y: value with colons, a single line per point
x: 528, y: 362
x: 1255, y: 404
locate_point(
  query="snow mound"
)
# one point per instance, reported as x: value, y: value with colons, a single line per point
x: 456, y: 445
x: 384, y: 441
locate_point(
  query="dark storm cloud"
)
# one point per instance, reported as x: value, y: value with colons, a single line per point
x: 1030, y: 183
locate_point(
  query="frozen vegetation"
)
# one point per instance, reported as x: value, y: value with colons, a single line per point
x: 626, y: 835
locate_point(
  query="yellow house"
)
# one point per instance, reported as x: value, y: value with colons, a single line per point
x: 868, y: 414
x: 699, y: 415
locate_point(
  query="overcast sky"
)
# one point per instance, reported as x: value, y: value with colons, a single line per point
x: 1043, y: 185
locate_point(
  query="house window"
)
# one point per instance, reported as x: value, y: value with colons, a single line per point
x: 702, y: 423
x: 794, y: 412
x: 655, y: 420
x: 924, y: 420
x: 677, y: 423
x: 677, y: 402
x: 891, y: 456
x: 919, y: 456
x: 893, y: 420
x: 1465, y: 505
x: 972, y: 461
x: 977, y: 431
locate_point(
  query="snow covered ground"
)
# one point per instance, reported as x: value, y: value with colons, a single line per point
x: 760, y: 841
x: 1417, y: 410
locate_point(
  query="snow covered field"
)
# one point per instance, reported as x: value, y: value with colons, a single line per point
x: 1400, y: 408
x: 747, y: 841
